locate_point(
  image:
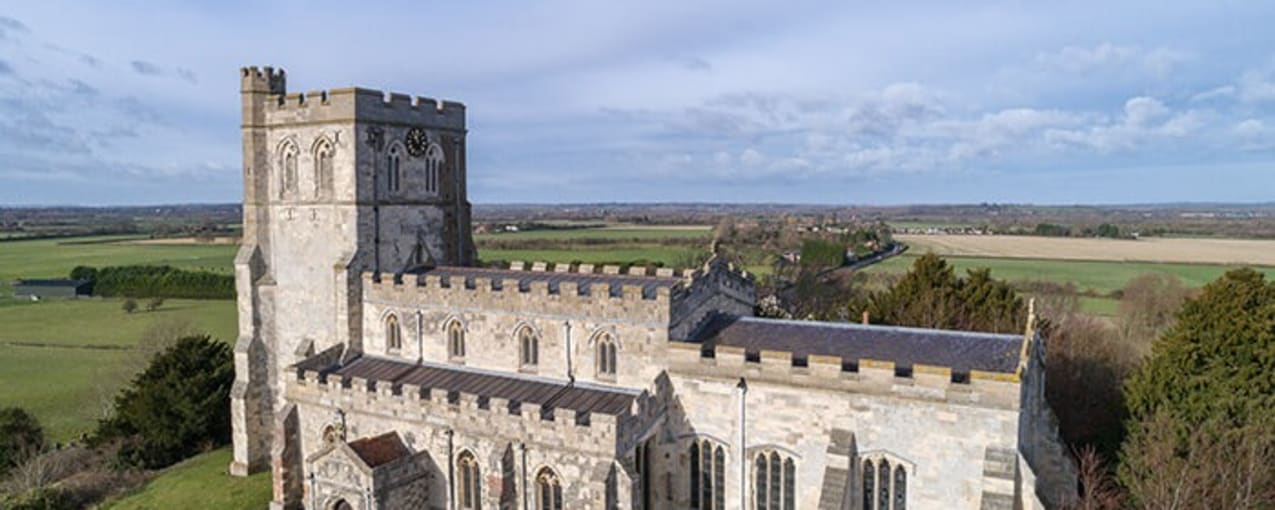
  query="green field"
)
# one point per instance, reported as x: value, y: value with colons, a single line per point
x: 102, y: 321
x: 52, y: 258
x: 1102, y: 277
x: 200, y: 483
x: 614, y: 233
x: 669, y: 255
x: 65, y: 384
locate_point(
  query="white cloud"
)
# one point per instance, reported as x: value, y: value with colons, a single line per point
x: 1158, y: 62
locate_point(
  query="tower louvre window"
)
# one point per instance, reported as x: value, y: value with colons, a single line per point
x: 433, y: 167
x: 393, y: 170
x: 323, y: 178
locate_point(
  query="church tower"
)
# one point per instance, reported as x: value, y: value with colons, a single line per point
x: 336, y: 183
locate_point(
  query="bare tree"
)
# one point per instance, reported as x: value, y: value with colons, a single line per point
x: 1148, y: 307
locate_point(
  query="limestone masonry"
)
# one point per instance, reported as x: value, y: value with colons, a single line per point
x: 377, y: 368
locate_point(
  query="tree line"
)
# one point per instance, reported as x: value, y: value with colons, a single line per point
x: 156, y: 282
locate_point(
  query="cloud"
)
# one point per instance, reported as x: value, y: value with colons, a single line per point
x: 10, y: 26
x: 1159, y: 62
x: 188, y: 75
x: 691, y: 62
x: 146, y: 68
x: 6, y: 69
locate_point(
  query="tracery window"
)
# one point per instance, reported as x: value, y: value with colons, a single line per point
x: 455, y: 339
x: 468, y: 477
x: 708, y: 475
x: 606, y: 358
x: 548, y: 490
x: 393, y: 333
x: 884, y: 485
x: 433, y: 167
x: 393, y: 170
x: 529, y: 346
x: 323, y: 155
x: 288, y: 170
x: 774, y: 481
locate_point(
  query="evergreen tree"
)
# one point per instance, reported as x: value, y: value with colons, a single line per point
x: 20, y: 436
x: 930, y: 295
x: 177, y: 407
x: 1212, y: 374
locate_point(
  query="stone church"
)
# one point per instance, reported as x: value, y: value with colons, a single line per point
x: 378, y: 368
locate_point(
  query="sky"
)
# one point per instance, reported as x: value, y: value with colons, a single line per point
x: 843, y: 102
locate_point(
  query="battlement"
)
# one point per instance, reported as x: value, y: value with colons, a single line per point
x: 862, y: 375
x: 594, y: 430
x: 264, y: 79
x: 365, y: 105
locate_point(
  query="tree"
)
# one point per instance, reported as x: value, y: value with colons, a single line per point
x: 1205, y: 399
x: 20, y: 437
x: 930, y: 295
x: 1148, y: 307
x: 154, y: 304
x: 179, y: 406
x: 129, y: 306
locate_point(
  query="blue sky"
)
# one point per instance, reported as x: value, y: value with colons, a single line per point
x: 827, y: 102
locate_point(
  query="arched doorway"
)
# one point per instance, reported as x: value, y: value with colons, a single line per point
x: 341, y: 504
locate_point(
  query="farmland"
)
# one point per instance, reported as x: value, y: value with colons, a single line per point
x: 1152, y: 249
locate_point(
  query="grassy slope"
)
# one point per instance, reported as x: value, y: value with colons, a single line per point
x: 200, y: 483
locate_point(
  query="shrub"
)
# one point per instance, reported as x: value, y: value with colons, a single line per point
x: 154, y: 304
x: 20, y: 437
x: 177, y: 407
x: 818, y: 253
x: 129, y: 305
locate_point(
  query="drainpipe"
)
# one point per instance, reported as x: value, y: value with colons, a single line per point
x: 314, y: 490
x: 570, y: 371
x: 420, y: 338
x: 451, y: 471
x: 743, y: 448
x: 522, y: 449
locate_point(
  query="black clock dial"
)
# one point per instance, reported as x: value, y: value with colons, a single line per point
x: 416, y: 142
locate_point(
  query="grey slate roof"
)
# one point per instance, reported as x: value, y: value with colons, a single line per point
x: 958, y: 350
x: 457, y: 275
x: 548, y: 393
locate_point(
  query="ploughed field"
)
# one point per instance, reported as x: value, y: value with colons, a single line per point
x: 1257, y: 252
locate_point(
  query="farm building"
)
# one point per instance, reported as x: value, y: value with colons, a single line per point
x: 51, y: 288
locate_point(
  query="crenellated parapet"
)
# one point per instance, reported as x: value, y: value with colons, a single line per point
x: 347, y: 104
x: 833, y: 373
x: 589, y: 431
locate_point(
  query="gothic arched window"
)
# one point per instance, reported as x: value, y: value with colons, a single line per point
x: 529, y: 347
x: 774, y: 482
x: 393, y: 170
x: 548, y: 490
x: 323, y: 155
x: 393, y: 333
x: 885, y: 484
x: 708, y: 475
x: 468, y: 476
x: 606, y: 357
x: 288, y: 170
x: 433, y: 167
x: 455, y: 339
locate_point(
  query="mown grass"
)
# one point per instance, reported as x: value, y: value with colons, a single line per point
x: 67, y: 389
x: 1099, y: 276
x: 200, y: 482
x: 103, y: 322
x: 67, y: 385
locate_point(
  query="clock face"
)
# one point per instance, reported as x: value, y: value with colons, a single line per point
x: 416, y: 142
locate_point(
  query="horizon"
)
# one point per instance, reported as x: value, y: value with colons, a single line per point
x: 826, y: 104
